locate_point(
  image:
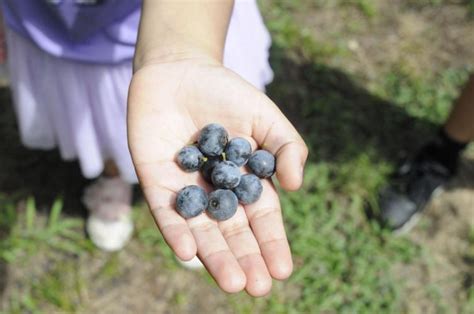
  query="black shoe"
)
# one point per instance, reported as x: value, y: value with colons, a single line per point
x: 412, y: 187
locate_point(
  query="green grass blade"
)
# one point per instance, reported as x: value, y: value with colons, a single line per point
x: 55, y: 213
x: 30, y: 213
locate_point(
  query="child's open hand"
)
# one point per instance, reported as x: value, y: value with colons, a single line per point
x: 168, y: 104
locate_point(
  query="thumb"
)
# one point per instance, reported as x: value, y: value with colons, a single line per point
x: 275, y: 133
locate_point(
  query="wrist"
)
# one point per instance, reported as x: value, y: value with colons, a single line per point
x: 182, y: 30
x: 168, y: 55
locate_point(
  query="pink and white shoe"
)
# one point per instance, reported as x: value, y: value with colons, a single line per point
x: 109, y: 224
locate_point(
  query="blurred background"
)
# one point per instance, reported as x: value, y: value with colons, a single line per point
x: 366, y: 82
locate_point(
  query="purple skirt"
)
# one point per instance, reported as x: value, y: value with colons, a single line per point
x: 80, y: 108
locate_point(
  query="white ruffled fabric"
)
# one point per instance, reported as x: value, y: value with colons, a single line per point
x: 81, y: 108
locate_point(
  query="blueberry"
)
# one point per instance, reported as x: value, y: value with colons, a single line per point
x: 238, y: 150
x: 190, y: 158
x: 191, y: 201
x: 222, y: 204
x: 226, y: 175
x: 249, y: 189
x: 262, y: 164
x: 212, y: 140
x: 208, y: 166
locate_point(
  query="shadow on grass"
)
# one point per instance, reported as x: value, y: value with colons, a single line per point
x: 41, y: 174
x: 340, y: 120
x: 25, y: 172
x: 4, y: 232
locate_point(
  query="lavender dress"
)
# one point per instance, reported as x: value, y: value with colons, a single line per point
x: 70, y: 68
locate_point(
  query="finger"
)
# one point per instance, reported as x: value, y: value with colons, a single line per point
x: 173, y: 227
x: 291, y: 158
x: 244, y: 246
x: 160, y: 183
x: 273, y: 132
x: 267, y: 225
x: 215, y: 254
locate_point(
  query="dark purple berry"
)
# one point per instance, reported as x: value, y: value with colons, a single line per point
x: 262, y: 164
x: 226, y: 175
x: 249, y: 189
x: 212, y: 140
x: 190, y: 158
x: 191, y: 201
x: 208, y: 166
x: 238, y: 150
x: 222, y: 204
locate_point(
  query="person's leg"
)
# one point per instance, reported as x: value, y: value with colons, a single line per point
x: 110, y: 169
x: 416, y: 181
x: 460, y: 124
x: 456, y: 133
x: 108, y: 200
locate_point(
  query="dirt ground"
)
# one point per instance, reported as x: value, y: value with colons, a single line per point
x: 424, y: 39
x: 443, y: 232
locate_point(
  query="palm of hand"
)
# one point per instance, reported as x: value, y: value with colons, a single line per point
x: 168, y: 105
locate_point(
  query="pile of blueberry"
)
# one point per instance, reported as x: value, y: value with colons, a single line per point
x: 218, y: 160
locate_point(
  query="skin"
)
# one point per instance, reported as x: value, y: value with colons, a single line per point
x: 110, y: 169
x: 178, y: 87
x: 460, y: 124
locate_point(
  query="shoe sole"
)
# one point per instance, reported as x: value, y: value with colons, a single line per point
x: 409, y: 225
x: 413, y: 221
x: 193, y: 264
x: 109, y: 236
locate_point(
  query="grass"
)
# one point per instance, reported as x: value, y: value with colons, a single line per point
x: 343, y: 260
x: 33, y: 234
x: 52, y: 238
x: 425, y: 99
x: 344, y: 263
